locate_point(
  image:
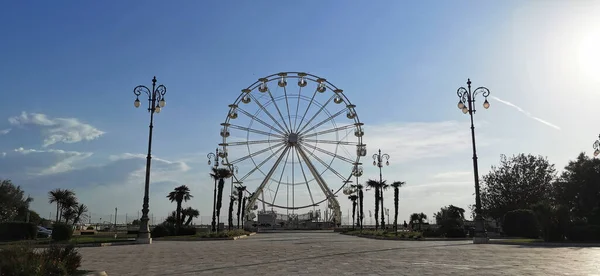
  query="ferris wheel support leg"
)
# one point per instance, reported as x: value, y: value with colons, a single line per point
x: 259, y: 190
x: 333, y: 202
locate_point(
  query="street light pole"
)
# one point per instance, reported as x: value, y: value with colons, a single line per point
x: 215, y: 157
x: 156, y: 101
x: 378, y: 161
x: 466, y: 103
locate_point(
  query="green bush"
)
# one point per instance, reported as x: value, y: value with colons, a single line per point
x: 455, y: 232
x: 14, y: 231
x: 22, y: 260
x: 521, y: 223
x: 87, y: 233
x: 584, y: 233
x: 430, y: 232
x: 161, y: 230
x: 90, y: 228
x: 187, y: 231
x: 62, y: 232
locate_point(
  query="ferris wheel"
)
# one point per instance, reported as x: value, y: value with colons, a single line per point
x: 292, y: 136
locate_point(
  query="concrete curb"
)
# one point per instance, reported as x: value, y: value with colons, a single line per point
x: 383, y: 238
x: 97, y: 273
x: 545, y: 244
x: 208, y: 239
x: 101, y: 244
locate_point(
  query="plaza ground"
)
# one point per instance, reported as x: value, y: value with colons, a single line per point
x: 327, y: 253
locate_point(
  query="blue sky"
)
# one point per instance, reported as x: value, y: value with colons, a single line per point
x: 69, y: 69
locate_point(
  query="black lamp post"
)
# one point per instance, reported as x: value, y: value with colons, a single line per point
x: 215, y: 157
x: 597, y: 147
x: 466, y: 103
x: 378, y: 159
x: 156, y: 101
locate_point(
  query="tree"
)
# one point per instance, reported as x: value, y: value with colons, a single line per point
x: 232, y: 200
x: 517, y: 183
x: 353, y: 198
x: 219, y: 174
x: 578, y: 190
x: 64, y: 199
x: 396, y: 185
x: 12, y: 200
x: 243, y: 210
x: 179, y: 194
x: 188, y: 214
x: 383, y: 187
x: 418, y: 219
x: 451, y: 221
x: 80, y: 213
x: 361, y: 213
x: 376, y: 185
x: 240, y: 194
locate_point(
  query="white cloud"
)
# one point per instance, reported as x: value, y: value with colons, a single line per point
x: 59, y: 160
x: 4, y: 131
x: 526, y: 113
x: 58, y: 130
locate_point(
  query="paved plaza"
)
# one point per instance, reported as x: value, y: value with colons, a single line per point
x: 326, y: 253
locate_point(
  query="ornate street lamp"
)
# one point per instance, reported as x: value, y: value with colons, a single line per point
x: 215, y: 161
x: 378, y: 159
x: 156, y: 101
x: 466, y: 103
x: 597, y: 147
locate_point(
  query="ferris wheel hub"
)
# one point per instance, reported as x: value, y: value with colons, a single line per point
x: 292, y: 139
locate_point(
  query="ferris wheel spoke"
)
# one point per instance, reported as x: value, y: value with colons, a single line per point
x: 317, y: 141
x: 324, y: 121
x: 312, y: 99
x: 260, y: 188
x: 278, y: 110
x: 329, y: 153
x: 316, y: 114
x: 297, y: 107
x: 262, y: 107
x: 328, y: 131
x: 256, y: 153
x: 281, y: 177
x: 325, y: 164
x: 245, y: 143
x: 305, y: 178
x: 256, y: 131
x: 262, y: 163
x: 287, y: 104
x: 259, y: 120
x: 328, y: 194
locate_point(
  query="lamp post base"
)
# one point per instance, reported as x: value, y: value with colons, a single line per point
x: 144, y: 240
x: 480, y: 240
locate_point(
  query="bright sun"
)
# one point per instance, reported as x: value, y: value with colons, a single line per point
x: 589, y: 55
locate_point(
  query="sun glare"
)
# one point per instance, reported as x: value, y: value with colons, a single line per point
x: 589, y: 56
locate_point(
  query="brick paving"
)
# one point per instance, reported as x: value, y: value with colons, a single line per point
x: 325, y: 253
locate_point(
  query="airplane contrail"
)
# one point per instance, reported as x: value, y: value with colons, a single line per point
x: 526, y: 113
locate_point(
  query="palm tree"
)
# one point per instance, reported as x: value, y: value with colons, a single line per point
x: 353, y: 198
x: 232, y: 200
x: 240, y: 192
x: 376, y: 185
x: 60, y: 196
x: 68, y: 205
x: 243, y: 210
x: 189, y: 213
x: 80, y: 213
x: 396, y: 185
x: 179, y: 194
x: 418, y: 218
x: 383, y: 187
x: 219, y: 174
x: 361, y: 205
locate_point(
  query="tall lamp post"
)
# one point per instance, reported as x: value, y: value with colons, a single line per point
x: 378, y: 159
x: 466, y: 103
x: 597, y: 147
x: 215, y: 159
x: 156, y: 101
x: 357, y: 171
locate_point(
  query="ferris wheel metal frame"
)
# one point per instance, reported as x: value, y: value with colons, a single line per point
x: 292, y: 137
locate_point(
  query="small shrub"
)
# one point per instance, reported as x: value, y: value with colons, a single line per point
x: 87, y: 233
x: 133, y: 232
x: 67, y: 256
x: 160, y: 231
x: 90, y: 228
x: 584, y: 233
x: 62, y: 232
x: 14, y: 231
x: 22, y: 260
x: 430, y: 232
x: 455, y: 233
x: 521, y: 223
x: 187, y: 231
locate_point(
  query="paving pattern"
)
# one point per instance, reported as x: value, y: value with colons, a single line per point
x: 326, y: 253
